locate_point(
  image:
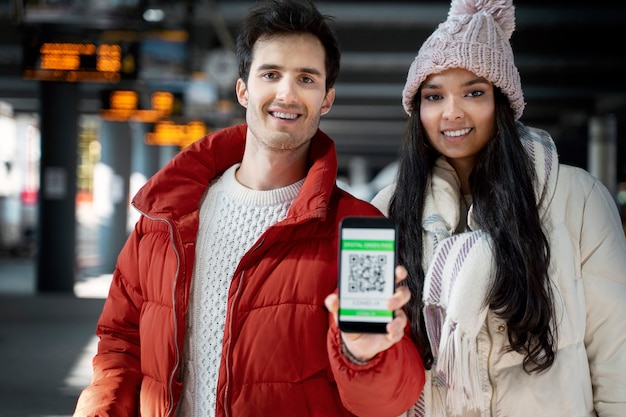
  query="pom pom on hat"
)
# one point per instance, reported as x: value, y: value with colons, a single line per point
x: 502, y: 11
x: 475, y: 37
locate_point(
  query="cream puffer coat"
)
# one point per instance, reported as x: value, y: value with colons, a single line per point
x: 588, y: 269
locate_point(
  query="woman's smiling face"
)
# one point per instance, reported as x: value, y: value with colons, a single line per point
x: 457, y: 110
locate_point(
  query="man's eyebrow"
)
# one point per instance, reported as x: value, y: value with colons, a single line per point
x: 268, y: 67
x: 306, y: 70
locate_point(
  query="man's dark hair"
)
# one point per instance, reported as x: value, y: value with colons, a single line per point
x: 283, y: 17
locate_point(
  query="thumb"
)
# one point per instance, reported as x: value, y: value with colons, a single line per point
x: 332, y: 304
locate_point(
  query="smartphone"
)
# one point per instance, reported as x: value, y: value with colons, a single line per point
x: 367, y: 260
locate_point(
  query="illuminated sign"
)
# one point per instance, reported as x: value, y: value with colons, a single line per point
x: 163, y: 55
x: 105, y: 56
x: 54, y: 58
x: 123, y: 105
x: 170, y: 133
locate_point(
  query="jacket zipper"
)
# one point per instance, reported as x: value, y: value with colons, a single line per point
x: 230, y: 329
x: 177, y: 361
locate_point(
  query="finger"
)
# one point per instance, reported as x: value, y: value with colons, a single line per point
x: 399, y: 298
x: 332, y: 302
x: 401, y: 273
x: 395, y: 329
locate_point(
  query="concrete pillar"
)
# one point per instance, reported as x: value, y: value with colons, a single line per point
x: 359, y: 177
x: 144, y: 164
x: 56, y: 238
x: 602, y: 155
x: 111, y: 189
x: 166, y: 153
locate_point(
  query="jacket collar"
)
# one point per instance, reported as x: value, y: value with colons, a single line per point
x: 176, y: 189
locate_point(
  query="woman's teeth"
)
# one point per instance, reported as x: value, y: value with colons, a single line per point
x: 455, y: 133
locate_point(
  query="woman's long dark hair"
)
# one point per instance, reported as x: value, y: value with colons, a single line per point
x: 502, y: 185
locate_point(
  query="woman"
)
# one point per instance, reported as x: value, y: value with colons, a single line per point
x: 517, y: 264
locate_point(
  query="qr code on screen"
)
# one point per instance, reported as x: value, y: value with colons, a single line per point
x: 367, y: 273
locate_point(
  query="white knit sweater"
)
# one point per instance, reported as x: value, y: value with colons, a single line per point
x: 232, y: 218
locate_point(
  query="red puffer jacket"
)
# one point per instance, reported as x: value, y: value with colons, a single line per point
x: 274, y: 356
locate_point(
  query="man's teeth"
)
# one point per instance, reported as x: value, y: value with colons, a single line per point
x: 285, y: 115
x: 455, y: 133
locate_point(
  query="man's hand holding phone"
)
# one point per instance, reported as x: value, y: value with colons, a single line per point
x: 364, y: 346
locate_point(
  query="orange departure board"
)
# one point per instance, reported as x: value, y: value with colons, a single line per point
x: 125, y: 105
x: 74, y: 61
x: 167, y: 132
x: 163, y: 110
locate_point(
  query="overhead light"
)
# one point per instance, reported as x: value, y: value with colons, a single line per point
x: 153, y: 15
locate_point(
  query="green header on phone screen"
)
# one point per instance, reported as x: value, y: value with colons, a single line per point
x: 365, y: 313
x: 377, y: 245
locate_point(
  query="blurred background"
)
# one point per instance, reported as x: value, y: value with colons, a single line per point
x: 97, y: 95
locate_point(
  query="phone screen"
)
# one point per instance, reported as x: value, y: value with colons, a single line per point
x: 367, y: 260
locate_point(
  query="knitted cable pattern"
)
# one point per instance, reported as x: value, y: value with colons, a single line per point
x: 232, y: 218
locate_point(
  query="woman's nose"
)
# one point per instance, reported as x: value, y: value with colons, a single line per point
x: 452, y: 110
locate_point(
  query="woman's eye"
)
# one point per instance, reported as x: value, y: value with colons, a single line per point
x: 476, y: 93
x: 432, y: 97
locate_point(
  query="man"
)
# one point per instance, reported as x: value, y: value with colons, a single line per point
x: 216, y: 307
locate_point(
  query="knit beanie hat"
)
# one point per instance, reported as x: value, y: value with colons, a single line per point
x: 475, y: 37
